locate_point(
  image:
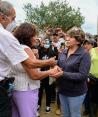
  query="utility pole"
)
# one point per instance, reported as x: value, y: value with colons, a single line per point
x: 97, y: 24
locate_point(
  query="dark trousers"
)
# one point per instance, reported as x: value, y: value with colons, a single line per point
x: 53, y: 92
x: 58, y: 100
x: 94, y: 99
x: 5, y: 105
x: 87, y: 102
x: 91, y: 100
x: 45, y: 85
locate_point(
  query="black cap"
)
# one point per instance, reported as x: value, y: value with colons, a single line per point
x: 92, y: 42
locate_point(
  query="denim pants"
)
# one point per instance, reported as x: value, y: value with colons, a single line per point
x: 24, y: 103
x: 71, y: 106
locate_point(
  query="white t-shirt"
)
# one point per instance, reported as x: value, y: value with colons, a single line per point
x: 11, y: 53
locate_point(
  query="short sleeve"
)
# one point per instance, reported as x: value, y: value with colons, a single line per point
x: 12, y: 49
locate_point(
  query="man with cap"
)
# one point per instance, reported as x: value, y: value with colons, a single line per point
x: 89, y: 44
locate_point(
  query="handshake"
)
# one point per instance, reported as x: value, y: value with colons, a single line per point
x: 56, y: 72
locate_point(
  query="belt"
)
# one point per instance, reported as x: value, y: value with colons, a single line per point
x: 7, y: 79
x: 6, y: 86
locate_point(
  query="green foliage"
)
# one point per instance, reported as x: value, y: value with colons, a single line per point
x: 55, y: 14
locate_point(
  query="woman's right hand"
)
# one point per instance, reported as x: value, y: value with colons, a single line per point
x: 52, y: 61
x: 56, y: 72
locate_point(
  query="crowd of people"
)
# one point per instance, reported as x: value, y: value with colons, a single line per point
x: 64, y: 64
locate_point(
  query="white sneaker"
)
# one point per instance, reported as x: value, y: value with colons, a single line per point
x: 47, y: 109
x: 38, y: 107
x: 37, y: 114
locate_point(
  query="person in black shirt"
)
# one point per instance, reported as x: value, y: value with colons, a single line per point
x: 46, y: 51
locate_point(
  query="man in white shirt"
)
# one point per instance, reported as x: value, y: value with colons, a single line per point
x: 11, y: 53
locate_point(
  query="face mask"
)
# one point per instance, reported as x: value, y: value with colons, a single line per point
x: 46, y: 46
x: 62, y: 40
x: 47, y: 41
x: 10, y: 27
x: 36, y: 46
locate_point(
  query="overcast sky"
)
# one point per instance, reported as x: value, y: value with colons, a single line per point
x: 88, y: 8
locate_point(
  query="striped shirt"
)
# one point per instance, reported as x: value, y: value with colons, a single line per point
x: 22, y: 80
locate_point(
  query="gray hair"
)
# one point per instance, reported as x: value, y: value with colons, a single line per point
x: 5, y: 7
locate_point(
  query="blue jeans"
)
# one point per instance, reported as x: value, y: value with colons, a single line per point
x: 71, y: 106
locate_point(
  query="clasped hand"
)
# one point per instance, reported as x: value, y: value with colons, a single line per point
x: 56, y: 72
x: 52, y: 61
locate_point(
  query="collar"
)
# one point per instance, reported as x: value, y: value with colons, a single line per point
x: 79, y: 51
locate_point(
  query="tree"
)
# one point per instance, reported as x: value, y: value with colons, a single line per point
x: 55, y: 14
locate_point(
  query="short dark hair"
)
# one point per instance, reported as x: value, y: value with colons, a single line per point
x: 25, y: 32
x: 78, y: 34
